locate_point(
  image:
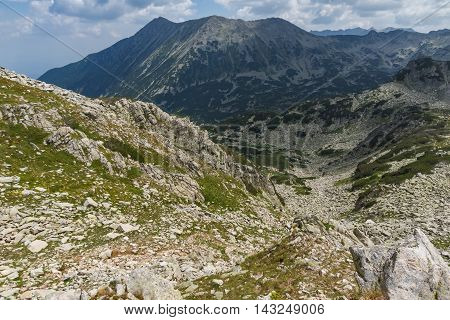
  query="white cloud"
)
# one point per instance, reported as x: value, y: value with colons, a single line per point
x: 113, y: 9
x: 333, y: 14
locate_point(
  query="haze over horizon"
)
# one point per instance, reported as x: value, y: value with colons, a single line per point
x: 90, y: 26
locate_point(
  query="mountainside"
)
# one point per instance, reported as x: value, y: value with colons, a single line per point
x: 383, y: 155
x: 116, y: 199
x: 85, y: 181
x: 213, y: 67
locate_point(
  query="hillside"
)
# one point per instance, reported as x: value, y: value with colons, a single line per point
x: 91, y: 190
x: 215, y: 67
x: 116, y: 199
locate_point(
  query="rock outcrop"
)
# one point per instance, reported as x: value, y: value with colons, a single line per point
x: 414, y: 270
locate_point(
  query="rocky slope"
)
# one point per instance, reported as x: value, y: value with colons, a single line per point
x: 213, y: 67
x: 95, y: 192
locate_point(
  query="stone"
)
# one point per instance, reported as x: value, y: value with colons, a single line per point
x: 37, y: 246
x: 7, y: 272
x: 120, y: 290
x: 218, y: 295
x: 107, y: 254
x: 13, y: 179
x: 217, y: 282
x: 36, y: 272
x: 9, y: 293
x: 126, y: 228
x: 13, y: 276
x: 27, y: 193
x: 66, y: 247
x: 144, y: 284
x: 412, y: 271
x: 90, y: 203
x: 177, y: 231
x: 113, y: 235
x: 67, y: 295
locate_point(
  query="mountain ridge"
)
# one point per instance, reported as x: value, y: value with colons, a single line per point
x: 213, y: 67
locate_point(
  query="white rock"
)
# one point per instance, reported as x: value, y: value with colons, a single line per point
x: 27, y: 193
x: 217, y: 282
x: 13, y: 179
x: 90, y: 203
x: 67, y: 295
x: 13, y: 276
x: 66, y: 247
x: 412, y: 271
x: 36, y: 272
x: 113, y: 235
x: 7, y: 271
x: 106, y: 205
x: 107, y: 254
x: 145, y: 284
x: 120, y: 290
x: 37, y: 246
x: 176, y: 231
x: 9, y: 293
x: 126, y: 228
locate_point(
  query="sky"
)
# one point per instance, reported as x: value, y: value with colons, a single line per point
x: 37, y: 35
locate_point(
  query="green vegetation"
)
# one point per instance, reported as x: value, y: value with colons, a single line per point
x: 14, y: 93
x: 278, y: 271
x: 143, y: 155
x: 39, y: 165
x: 425, y: 148
x: 330, y: 152
x: 442, y: 243
x: 222, y: 192
x: 292, y: 180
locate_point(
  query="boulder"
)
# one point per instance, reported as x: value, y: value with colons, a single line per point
x: 37, y: 246
x: 90, y: 203
x: 13, y: 179
x: 414, y: 270
x: 144, y: 284
x: 67, y: 295
x: 126, y: 228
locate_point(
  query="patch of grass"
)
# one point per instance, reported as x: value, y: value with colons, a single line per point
x: 278, y: 271
x: 330, y: 152
x: 125, y: 149
x: 14, y: 93
x: 134, y: 173
x: 56, y: 171
x: 423, y: 164
x: 142, y: 155
x: 292, y: 180
x: 222, y: 191
x: 442, y: 243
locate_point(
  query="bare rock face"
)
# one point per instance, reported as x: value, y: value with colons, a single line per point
x: 412, y: 271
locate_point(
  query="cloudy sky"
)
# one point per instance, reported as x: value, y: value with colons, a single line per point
x: 37, y: 35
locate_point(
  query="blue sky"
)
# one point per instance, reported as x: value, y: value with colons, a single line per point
x: 88, y: 26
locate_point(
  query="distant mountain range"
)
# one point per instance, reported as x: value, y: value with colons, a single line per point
x: 356, y: 31
x: 214, y: 67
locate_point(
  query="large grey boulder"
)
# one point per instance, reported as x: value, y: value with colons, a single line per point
x: 412, y: 271
x: 145, y: 284
x: 75, y: 294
